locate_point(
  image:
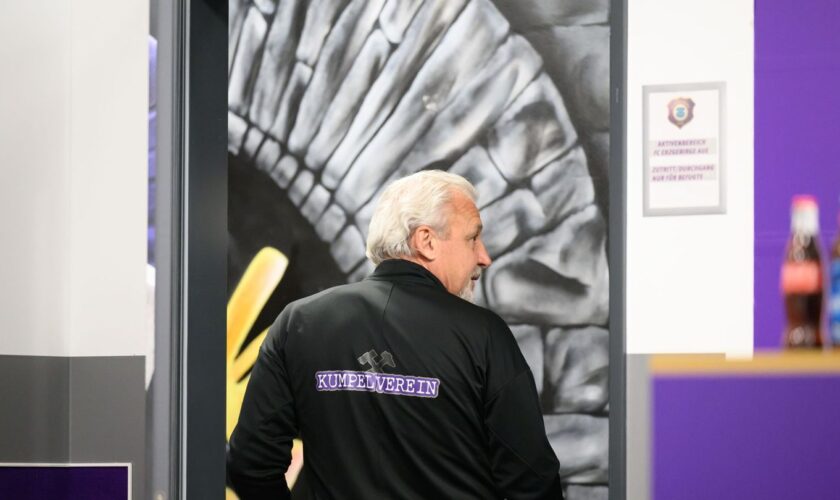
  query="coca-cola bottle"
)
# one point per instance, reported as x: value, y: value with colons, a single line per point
x: 834, y: 301
x: 802, y: 277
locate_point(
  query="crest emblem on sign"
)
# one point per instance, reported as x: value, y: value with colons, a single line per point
x: 680, y: 111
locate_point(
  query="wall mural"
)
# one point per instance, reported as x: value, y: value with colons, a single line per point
x: 330, y: 100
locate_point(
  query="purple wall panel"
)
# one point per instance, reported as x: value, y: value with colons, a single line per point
x: 64, y: 483
x: 797, y: 136
x: 743, y: 438
x: 769, y: 437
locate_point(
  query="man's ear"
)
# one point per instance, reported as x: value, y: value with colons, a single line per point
x: 424, y: 243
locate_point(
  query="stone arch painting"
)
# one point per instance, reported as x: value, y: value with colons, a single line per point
x: 330, y: 100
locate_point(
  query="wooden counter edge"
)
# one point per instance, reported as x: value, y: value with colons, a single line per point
x: 763, y: 363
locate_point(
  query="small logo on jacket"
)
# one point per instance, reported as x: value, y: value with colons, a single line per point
x: 375, y: 380
x: 376, y: 366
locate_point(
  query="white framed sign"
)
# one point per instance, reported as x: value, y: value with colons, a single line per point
x: 684, y: 171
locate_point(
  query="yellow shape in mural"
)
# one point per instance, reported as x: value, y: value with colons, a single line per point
x: 252, y: 292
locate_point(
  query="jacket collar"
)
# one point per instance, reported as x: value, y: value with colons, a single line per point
x: 405, y: 271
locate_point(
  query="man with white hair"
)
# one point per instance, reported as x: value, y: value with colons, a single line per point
x: 398, y: 386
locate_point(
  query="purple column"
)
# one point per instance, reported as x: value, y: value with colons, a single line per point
x: 797, y: 136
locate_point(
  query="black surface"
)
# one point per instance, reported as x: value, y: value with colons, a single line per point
x: 260, y: 215
x: 617, y: 239
x: 203, y: 347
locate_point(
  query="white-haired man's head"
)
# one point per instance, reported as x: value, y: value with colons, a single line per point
x: 430, y: 218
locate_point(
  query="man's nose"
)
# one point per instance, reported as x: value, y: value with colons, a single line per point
x: 484, y: 259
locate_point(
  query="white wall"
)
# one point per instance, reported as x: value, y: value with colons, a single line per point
x: 73, y: 129
x: 690, y: 278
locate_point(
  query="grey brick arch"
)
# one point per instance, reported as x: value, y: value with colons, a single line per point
x: 333, y: 99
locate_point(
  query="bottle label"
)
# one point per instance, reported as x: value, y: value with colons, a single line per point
x: 834, y: 303
x: 801, y: 277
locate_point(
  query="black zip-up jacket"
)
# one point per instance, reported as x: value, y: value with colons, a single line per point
x: 398, y: 390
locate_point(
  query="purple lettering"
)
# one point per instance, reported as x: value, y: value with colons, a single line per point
x: 382, y: 383
x: 433, y: 387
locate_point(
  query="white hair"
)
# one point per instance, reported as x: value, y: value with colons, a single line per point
x: 408, y: 203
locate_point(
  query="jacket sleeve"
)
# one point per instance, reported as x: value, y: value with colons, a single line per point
x: 523, y: 463
x: 260, y: 446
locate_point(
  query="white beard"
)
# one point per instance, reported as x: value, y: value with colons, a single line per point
x: 466, y: 293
